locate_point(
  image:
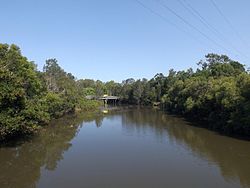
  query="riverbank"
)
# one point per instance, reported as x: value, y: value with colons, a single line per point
x: 197, y: 122
x: 217, y: 93
x: 89, y: 107
x: 30, y: 99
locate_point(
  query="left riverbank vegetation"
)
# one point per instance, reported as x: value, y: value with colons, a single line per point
x: 218, y: 93
x: 30, y: 98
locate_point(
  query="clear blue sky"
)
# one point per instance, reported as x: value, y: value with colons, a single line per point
x: 118, y: 39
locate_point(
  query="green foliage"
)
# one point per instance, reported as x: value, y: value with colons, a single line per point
x: 29, y: 98
x: 88, y: 91
x: 85, y: 104
x: 218, y: 92
x: 19, y: 85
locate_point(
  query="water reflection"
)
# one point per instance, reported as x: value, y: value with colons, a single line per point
x: 21, y: 165
x: 231, y: 155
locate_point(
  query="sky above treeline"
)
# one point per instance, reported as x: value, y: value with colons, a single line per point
x: 116, y: 40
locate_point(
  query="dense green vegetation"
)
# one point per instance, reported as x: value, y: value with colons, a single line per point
x: 29, y: 98
x: 218, y: 92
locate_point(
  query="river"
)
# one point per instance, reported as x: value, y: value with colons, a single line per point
x: 125, y: 148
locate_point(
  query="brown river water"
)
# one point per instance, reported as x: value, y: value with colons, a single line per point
x: 125, y: 148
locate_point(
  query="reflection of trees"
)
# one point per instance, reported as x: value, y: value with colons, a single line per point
x: 231, y: 155
x: 98, y: 121
x: 20, y: 164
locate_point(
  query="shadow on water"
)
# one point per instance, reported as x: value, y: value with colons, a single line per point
x: 21, y: 164
x: 21, y: 161
x: 231, y: 155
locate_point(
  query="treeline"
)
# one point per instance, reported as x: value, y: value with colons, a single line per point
x: 218, y: 93
x: 30, y: 98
